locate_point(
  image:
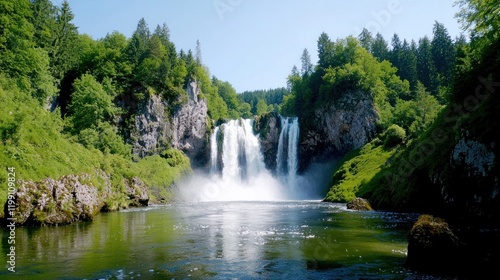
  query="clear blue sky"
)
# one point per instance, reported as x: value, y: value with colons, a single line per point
x: 254, y: 44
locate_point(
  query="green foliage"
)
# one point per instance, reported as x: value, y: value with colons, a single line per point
x: 416, y: 115
x: 356, y: 169
x: 31, y: 141
x: 417, y: 176
x: 104, y: 138
x: 262, y: 107
x: 160, y: 172
x: 394, y: 135
x: 272, y: 97
x: 90, y: 104
x: 226, y: 91
x: 482, y: 19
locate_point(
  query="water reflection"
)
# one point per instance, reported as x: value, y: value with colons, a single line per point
x: 298, y: 239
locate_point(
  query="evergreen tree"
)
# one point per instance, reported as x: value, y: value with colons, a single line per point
x: 379, y: 48
x: 65, y: 45
x: 307, y: 66
x: 366, y: 39
x: 325, y: 50
x: 395, y: 52
x: 408, y: 62
x: 443, y: 53
x: 44, y: 23
x: 198, y: 52
x: 425, y: 65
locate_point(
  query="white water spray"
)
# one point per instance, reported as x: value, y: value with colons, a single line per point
x: 237, y: 168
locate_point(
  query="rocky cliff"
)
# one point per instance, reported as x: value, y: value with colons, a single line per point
x: 269, y: 127
x: 159, y: 125
x: 152, y: 127
x: 344, y: 124
x: 190, y: 127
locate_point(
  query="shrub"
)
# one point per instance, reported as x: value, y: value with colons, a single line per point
x: 394, y: 135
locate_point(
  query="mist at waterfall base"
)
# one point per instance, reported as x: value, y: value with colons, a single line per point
x: 238, y: 172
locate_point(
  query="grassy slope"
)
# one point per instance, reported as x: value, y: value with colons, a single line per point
x: 31, y: 141
x: 357, y: 168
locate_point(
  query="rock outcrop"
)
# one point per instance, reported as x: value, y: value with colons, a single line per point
x: 70, y: 199
x: 151, y: 132
x: 190, y: 127
x: 432, y: 245
x: 137, y: 192
x: 359, y: 204
x: 159, y: 125
x: 338, y: 127
x: 269, y: 127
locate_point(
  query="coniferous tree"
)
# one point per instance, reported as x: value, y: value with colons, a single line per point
x: 44, y: 23
x: 443, y: 53
x: 198, y: 52
x: 379, y: 48
x: 325, y: 50
x: 409, y: 60
x: 64, y: 46
x: 425, y: 65
x: 366, y: 39
x: 307, y: 66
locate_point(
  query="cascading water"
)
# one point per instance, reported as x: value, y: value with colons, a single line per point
x: 241, y: 156
x: 287, y: 157
x: 237, y: 168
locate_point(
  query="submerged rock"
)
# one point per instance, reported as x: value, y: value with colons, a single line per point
x: 432, y: 246
x: 359, y: 204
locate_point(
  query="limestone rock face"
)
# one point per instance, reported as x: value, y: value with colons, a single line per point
x: 151, y: 130
x: 338, y: 127
x: 269, y: 127
x: 469, y: 184
x: 190, y: 129
x: 62, y: 201
x: 159, y: 125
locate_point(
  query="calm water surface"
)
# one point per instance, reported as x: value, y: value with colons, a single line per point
x: 219, y: 240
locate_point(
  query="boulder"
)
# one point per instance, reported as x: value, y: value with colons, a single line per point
x: 137, y: 192
x: 432, y: 245
x: 359, y: 204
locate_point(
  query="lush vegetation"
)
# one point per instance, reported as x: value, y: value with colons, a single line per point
x: 460, y: 105
x: 356, y: 169
x: 66, y: 99
x: 263, y: 101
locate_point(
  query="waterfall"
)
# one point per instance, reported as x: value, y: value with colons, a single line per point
x: 241, y: 156
x: 214, y: 151
x: 287, y: 157
x: 237, y: 170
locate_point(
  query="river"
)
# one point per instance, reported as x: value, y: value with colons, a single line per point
x: 219, y: 240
